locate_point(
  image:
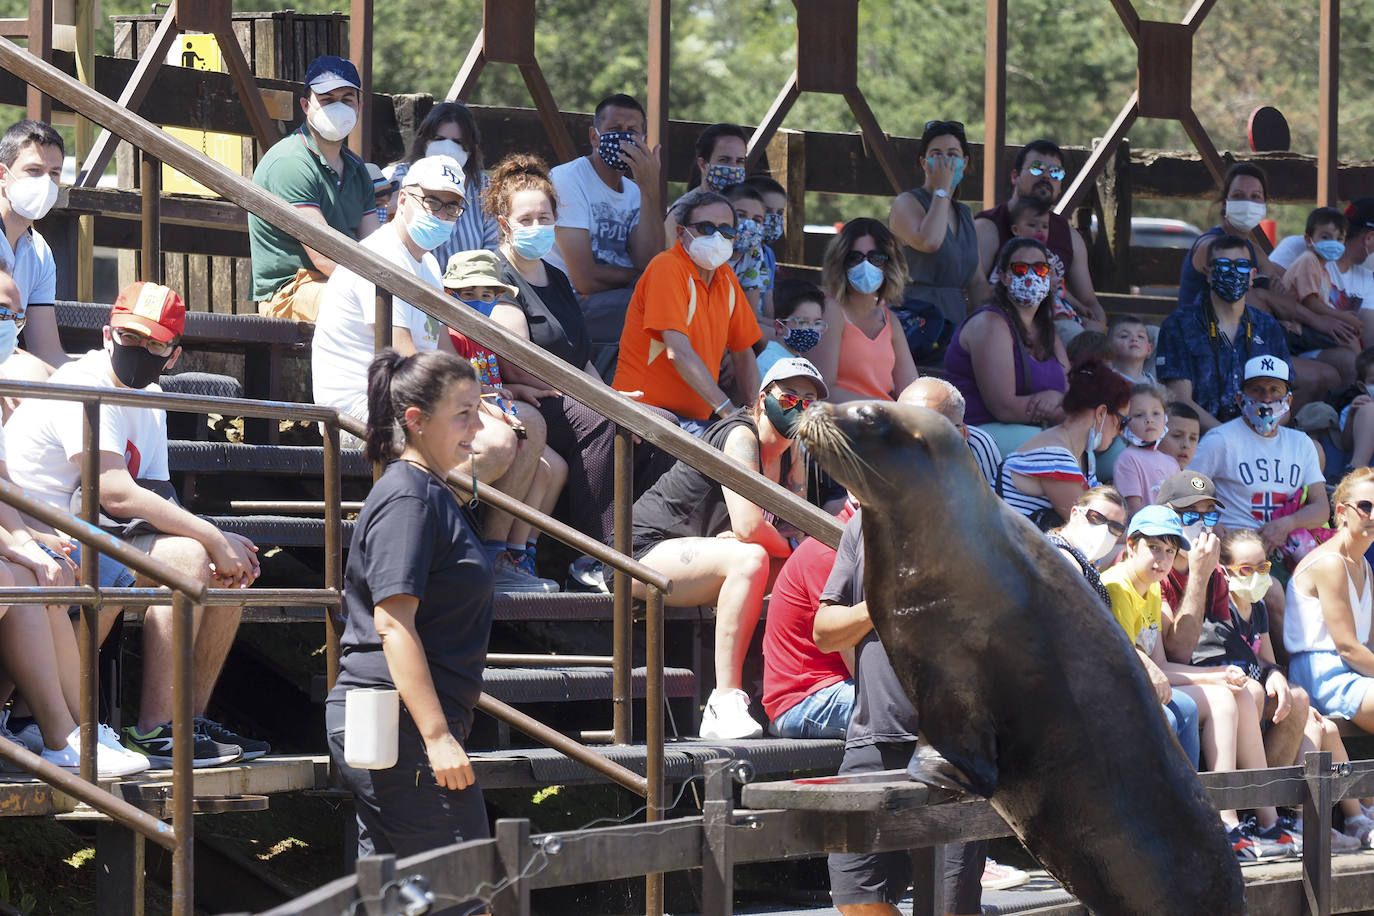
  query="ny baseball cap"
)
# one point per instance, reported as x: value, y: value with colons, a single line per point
x: 1266, y: 367
x: 1187, y: 488
x: 436, y: 173
x: 150, y: 309
x: 1159, y: 521
x: 1361, y: 213
x: 794, y: 367
x: 327, y: 73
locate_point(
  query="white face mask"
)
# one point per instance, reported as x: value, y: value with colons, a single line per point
x: 334, y: 121
x: 31, y: 196
x: 1249, y: 588
x: 1244, y: 214
x: 1095, y: 541
x: 1192, y: 531
x: 710, y: 251
x: 446, y: 147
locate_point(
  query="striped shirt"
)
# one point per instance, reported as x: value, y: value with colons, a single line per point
x: 1051, y: 462
x: 985, y: 452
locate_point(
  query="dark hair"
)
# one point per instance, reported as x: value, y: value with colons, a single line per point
x: 1326, y: 216
x: 1117, y: 321
x: 1094, y: 384
x: 790, y: 293
x: 1171, y: 539
x: 765, y: 184
x: 706, y: 145
x: 517, y: 172
x: 1362, y: 362
x: 21, y: 134
x: 1089, y: 345
x: 457, y: 113
x: 834, y: 278
x: 1044, y: 147
x: 743, y: 191
x: 688, y: 204
x: 941, y: 129
x: 1181, y: 410
x: 396, y: 382
x: 1034, y: 206
x: 1041, y: 344
x: 618, y: 100
x: 1225, y: 243
x: 1239, y: 170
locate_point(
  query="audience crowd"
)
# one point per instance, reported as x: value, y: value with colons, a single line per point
x: 1226, y: 530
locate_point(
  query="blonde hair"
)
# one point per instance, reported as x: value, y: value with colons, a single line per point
x: 1348, y: 483
x: 1105, y: 492
x: 834, y: 277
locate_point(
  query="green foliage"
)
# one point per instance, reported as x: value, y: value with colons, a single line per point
x: 15, y: 898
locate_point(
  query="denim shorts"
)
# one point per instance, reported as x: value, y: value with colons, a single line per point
x: 824, y: 714
x: 1336, y: 689
x: 113, y: 574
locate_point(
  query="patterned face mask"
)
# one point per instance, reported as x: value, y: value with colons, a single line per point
x: 719, y: 177
x: 748, y: 237
x: 1028, y: 291
x: 608, y: 147
x: 1263, y: 417
x: 772, y: 227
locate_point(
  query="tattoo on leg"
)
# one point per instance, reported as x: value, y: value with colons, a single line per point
x: 687, y: 556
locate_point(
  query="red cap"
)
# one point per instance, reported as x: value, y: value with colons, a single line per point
x: 150, y: 309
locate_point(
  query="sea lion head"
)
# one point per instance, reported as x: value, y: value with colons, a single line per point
x: 878, y: 449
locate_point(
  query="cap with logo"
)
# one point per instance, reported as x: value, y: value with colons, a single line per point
x: 1267, y: 367
x: 794, y: 367
x: 436, y: 173
x: 1187, y: 488
x: 150, y: 309
x: 327, y: 73
x: 1158, y: 521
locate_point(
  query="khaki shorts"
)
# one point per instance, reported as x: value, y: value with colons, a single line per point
x: 298, y: 299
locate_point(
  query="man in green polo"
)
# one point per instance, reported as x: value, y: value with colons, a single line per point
x: 312, y: 170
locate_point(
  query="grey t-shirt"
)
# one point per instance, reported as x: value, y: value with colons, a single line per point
x: 882, y: 713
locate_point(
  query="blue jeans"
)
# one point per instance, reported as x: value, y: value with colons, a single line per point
x: 1181, y: 711
x: 824, y: 714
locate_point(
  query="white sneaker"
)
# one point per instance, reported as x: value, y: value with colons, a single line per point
x: 727, y: 717
x: 133, y: 762
x: 30, y: 737
x: 1344, y: 842
x: 110, y: 762
x: 999, y: 877
x: 1361, y: 828
x: 68, y: 757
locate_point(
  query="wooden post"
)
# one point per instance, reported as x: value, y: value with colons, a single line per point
x: 995, y: 188
x: 85, y: 135
x: 360, y: 52
x: 660, y: 57
x: 717, y: 867
x: 1329, y: 104
x: 1316, y: 828
x: 40, y: 46
x: 150, y: 183
x: 763, y: 134
x: 514, y: 849
x: 119, y: 869
x: 1114, y: 231
x: 374, y: 873
x: 787, y: 164
x: 927, y: 881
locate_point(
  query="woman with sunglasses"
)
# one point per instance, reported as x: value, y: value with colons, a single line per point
x: 718, y: 547
x: 1326, y: 627
x: 1045, y: 477
x: 936, y: 230
x: 862, y: 272
x: 1006, y: 358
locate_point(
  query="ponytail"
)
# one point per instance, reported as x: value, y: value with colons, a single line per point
x: 396, y: 383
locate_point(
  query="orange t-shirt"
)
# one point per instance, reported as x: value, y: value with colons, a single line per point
x: 670, y: 296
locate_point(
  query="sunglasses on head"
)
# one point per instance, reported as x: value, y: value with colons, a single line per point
x: 787, y: 400
x: 1021, y: 268
x: 1097, y: 518
x: 1189, y: 517
x: 855, y: 258
x: 1039, y: 168
x: 707, y: 228
x: 945, y: 127
x: 1247, y: 569
x: 1364, y: 507
x: 1239, y: 265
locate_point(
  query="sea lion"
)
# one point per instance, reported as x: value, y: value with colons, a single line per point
x: 1023, y: 682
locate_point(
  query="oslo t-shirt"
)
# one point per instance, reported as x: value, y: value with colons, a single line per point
x: 608, y: 215
x: 1255, y: 475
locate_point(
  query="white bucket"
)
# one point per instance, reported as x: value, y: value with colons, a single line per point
x: 371, y: 719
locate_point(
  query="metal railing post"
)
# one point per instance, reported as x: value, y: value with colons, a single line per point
x: 90, y: 577
x: 653, y: 740
x: 183, y: 777
x: 333, y: 547
x: 622, y: 633
x: 381, y: 339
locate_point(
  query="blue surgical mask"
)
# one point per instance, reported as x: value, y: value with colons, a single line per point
x: 480, y: 305
x: 865, y: 278
x: 772, y: 227
x: 1329, y: 249
x: 532, y: 242
x: 1263, y: 418
x: 9, y: 339
x: 427, y: 230
x: 958, y: 173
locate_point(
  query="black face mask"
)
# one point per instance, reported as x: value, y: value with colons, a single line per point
x: 783, y: 420
x: 135, y: 366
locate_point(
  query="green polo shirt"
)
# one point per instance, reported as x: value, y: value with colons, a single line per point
x: 294, y: 170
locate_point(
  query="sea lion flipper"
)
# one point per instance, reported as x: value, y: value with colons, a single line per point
x: 968, y: 763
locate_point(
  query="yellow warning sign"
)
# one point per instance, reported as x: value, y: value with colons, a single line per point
x: 200, y: 52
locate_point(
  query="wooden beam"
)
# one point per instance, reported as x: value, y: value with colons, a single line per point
x: 1203, y: 142
x: 995, y: 188
x: 472, y: 68
x: 1329, y: 103
x: 657, y: 104
x: 1193, y: 18
x: 264, y: 129
x: 132, y: 96
x: 150, y: 183
x: 1100, y: 154
x: 878, y: 142
x: 40, y: 45
x: 763, y: 134
x: 360, y: 52
x: 787, y: 165
x: 548, y: 110
x: 1130, y: 19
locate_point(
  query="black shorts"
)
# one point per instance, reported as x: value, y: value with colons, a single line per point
x: 883, y: 877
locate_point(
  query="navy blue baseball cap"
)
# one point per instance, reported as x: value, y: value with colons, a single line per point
x: 327, y: 73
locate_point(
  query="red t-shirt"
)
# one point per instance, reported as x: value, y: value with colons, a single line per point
x: 1218, y: 595
x: 793, y: 668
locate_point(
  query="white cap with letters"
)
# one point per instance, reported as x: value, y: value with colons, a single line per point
x: 1267, y: 367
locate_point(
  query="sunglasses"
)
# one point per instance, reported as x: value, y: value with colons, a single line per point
x: 945, y: 127
x: 1097, y: 518
x: 855, y: 258
x: 1364, y: 507
x: 788, y: 401
x: 1021, y: 268
x: 19, y: 318
x: 707, y: 229
x: 1189, y: 517
x: 1239, y: 265
x: 1039, y: 168
x: 1246, y: 569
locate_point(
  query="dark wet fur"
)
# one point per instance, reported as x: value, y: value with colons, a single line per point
x: 1023, y: 680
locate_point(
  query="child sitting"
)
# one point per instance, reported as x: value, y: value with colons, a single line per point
x: 1131, y: 349
x: 747, y: 261
x: 1330, y: 281
x: 797, y: 325
x: 1242, y: 639
x: 1184, y: 429
x: 774, y: 213
x: 1141, y: 468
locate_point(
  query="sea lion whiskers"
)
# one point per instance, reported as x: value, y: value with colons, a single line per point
x: 819, y: 432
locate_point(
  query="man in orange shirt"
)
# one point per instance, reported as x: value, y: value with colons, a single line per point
x: 686, y: 313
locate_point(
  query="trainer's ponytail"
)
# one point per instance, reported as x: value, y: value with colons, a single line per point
x: 395, y: 383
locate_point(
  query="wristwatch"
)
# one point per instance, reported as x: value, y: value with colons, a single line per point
x: 941, y: 192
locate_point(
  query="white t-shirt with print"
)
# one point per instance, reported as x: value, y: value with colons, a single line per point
x: 44, y: 437
x: 32, y: 266
x: 585, y: 202
x: 344, y: 341
x: 1255, y: 475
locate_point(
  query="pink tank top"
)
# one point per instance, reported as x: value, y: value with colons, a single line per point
x: 867, y: 365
